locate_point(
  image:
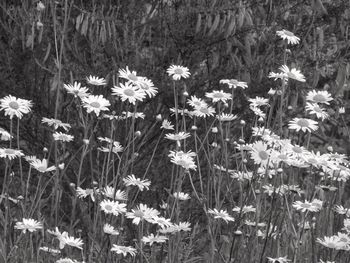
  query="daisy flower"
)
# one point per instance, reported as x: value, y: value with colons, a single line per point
x: 76, y: 90
x: 28, y: 224
x: 65, y: 239
x: 42, y: 166
x: 276, y: 76
x: 124, y: 250
x: 339, y: 209
x: 257, y: 111
x: 110, y: 230
x: 181, y: 196
x: 289, y: 36
x: 233, y: 83
x: 258, y: 101
x: 10, y: 153
x: 154, y: 239
x: 113, y: 207
x: 314, y: 108
x: 14, y: 106
x: 167, y: 125
x: 183, y: 226
x: 142, y: 212
x: 148, y: 87
x: 186, y: 160
x: 56, y: 123
x: 83, y: 193
x: 5, y: 135
x: 161, y: 221
x: 95, y: 103
x: 226, y: 117
x: 177, y: 136
x: 307, y: 206
x: 303, y: 124
x: 130, y: 76
x: 333, y: 242
x: 129, y: 92
x: 278, y: 260
x: 321, y: 96
x: 118, y: 195
x: 196, y: 102
x: 59, y: 136
x: 132, y: 180
x: 222, y: 214
x: 218, y: 95
x: 203, y: 112
x: 260, y: 153
x: 178, y: 72
x: 96, y: 81
x: 292, y: 73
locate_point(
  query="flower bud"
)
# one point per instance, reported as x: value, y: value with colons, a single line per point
x: 242, y: 122
x: 86, y: 141
x: 194, y: 128
x: 40, y: 6
x: 159, y: 117
x: 185, y: 94
x: 61, y: 166
x: 272, y: 92
x: 214, y: 130
x: 137, y: 133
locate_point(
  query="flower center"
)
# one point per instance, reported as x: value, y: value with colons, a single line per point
x: 14, y: 105
x: 9, y: 151
x: 129, y: 92
x: 306, y: 206
x: 263, y: 155
x: 204, y: 110
x: 297, y: 149
x: 108, y: 207
x: 42, y: 168
x: 133, y: 77
x: 218, y: 95
x: 139, y: 213
x: 288, y: 33
x: 303, y: 123
x: 319, y: 98
x: 95, y: 104
x: 178, y: 71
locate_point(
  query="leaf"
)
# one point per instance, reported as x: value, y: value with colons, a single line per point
x: 320, y: 7
x: 84, y: 27
x: 214, y: 25
x: 240, y: 19
x: 340, y: 80
x: 199, y: 22
x: 47, y: 52
x: 248, y: 19
x: 231, y: 28
x: 320, y: 34
x: 209, y: 22
x: 78, y: 21
x: 103, y: 36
